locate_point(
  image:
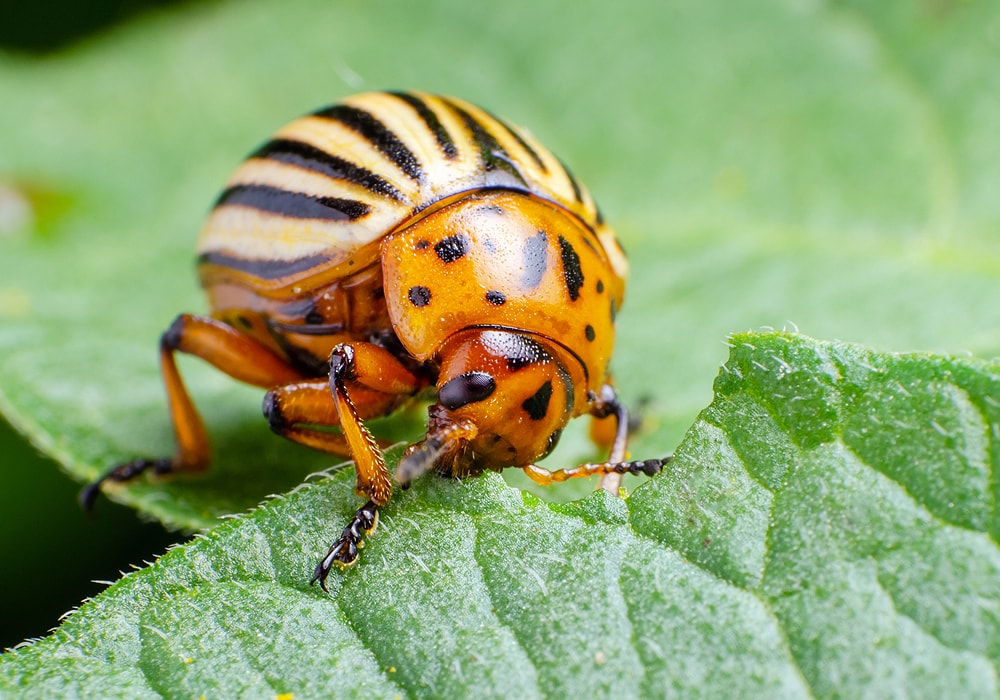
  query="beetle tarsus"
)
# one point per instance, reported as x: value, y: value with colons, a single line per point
x: 121, y: 473
x: 649, y: 467
x: 344, y: 551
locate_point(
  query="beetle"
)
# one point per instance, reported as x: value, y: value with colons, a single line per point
x: 391, y: 243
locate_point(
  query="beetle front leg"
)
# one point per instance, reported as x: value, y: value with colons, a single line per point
x: 344, y: 551
x: 362, y: 365
x: 124, y: 472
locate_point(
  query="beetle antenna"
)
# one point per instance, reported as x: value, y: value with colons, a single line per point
x: 427, y: 453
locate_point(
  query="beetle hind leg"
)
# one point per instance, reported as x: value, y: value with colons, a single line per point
x: 606, y: 405
x: 223, y: 347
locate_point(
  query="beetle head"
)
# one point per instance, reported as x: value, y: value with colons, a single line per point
x: 503, y: 400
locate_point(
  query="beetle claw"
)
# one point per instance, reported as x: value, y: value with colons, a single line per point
x: 122, y: 473
x: 89, y: 495
x: 344, y: 551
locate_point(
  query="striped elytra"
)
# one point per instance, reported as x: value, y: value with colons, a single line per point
x: 338, y: 179
x: 391, y: 243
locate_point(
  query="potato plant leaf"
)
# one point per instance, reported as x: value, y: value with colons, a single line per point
x: 827, y: 528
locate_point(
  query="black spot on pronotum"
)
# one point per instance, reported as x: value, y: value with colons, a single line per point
x: 422, y: 244
x: 600, y: 286
x: 496, y: 298
x: 419, y: 296
x: 452, y: 248
x: 571, y: 268
x: 535, y: 260
x: 589, y: 332
x: 465, y: 389
x: 537, y: 405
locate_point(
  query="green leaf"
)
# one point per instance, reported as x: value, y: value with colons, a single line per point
x: 830, y: 163
x: 780, y: 555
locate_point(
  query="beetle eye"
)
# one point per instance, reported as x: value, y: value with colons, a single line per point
x: 465, y: 389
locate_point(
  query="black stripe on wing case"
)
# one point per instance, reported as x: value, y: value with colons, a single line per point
x: 380, y: 136
x: 522, y: 143
x: 264, y: 269
x: 316, y: 160
x: 493, y: 154
x: 294, y: 205
x: 577, y: 192
x: 441, y: 135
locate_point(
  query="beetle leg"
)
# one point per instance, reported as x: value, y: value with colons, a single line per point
x: 344, y: 551
x: 607, y: 406
x: 222, y: 346
x: 604, y: 430
x: 353, y: 368
x: 123, y: 472
x: 291, y: 407
x: 543, y: 476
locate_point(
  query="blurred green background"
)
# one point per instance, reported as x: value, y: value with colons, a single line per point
x: 828, y: 164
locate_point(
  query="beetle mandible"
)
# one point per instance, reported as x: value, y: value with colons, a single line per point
x: 387, y: 244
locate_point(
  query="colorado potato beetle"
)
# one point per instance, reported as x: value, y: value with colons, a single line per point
x: 392, y: 243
